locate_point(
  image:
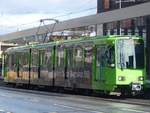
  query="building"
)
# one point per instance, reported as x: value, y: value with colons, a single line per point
x: 139, y: 26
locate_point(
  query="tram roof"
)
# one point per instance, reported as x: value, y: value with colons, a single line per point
x: 88, y: 40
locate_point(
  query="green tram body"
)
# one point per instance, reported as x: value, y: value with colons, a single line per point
x: 108, y: 64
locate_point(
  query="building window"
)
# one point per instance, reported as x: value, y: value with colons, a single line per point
x: 106, y: 5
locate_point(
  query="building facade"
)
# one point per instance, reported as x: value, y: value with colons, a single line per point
x: 139, y: 26
x: 108, y: 5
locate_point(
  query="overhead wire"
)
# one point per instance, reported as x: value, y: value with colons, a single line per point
x: 59, y: 16
x: 75, y: 12
x: 63, y: 15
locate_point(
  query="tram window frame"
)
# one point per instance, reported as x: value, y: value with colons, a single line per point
x: 12, y: 62
x: 108, y: 57
x: 129, y: 59
x: 60, y: 58
x: 35, y: 61
x: 5, y: 60
x: 70, y: 58
x: 88, y: 58
x: 24, y: 60
x: 102, y: 61
x: 5, y: 64
x: 78, y: 63
x: 9, y: 59
x: 75, y: 53
x: 47, y: 60
x: 99, y: 62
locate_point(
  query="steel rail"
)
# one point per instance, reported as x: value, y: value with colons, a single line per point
x: 141, y: 102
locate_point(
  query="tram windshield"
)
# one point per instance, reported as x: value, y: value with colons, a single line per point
x: 130, y: 54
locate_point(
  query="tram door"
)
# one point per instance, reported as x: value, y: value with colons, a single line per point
x: 100, y: 63
x: 78, y: 67
x: 34, y: 76
x: 45, y: 67
x: 105, y: 64
x: 23, y: 67
x: 60, y: 66
x: 69, y: 68
x: 87, y: 77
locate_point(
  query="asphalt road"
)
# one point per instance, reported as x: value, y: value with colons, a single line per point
x: 22, y: 102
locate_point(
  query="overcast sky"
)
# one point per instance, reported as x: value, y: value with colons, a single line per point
x: 21, y: 14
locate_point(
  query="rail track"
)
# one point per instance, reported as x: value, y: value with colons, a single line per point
x: 133, y: 101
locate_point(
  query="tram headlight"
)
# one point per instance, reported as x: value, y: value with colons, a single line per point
x: 121, y: 78
x: 141, y: 78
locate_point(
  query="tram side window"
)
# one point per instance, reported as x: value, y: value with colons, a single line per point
x: 7, y: 56
x: 60, y: 58
x: 139, y: 51
x: 106, y: 56
x: 43, y: 58
x: 88, y: 52
x: 70, y: 58
x: 12, y: 62
x: 5, y: 65
x: 130, y: 54
x: 46, y: 60
x: 75, y: 52
x: 78, y: 59
x: 35, y: 60
x: 9, y: 61
x: 100, y: 62
x: 99, y: 57
x: 110, y: 55
x: 24, y: 60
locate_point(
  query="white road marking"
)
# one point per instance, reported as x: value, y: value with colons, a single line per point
x: 77, y: 108
x: 133, y: 110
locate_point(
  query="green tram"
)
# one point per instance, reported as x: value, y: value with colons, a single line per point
x: 111, y: 64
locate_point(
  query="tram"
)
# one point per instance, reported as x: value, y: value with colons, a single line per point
x: 109, y: 64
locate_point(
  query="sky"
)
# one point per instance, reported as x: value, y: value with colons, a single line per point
x: 16, y: 15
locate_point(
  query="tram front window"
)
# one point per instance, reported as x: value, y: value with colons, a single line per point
x: 130, y: 54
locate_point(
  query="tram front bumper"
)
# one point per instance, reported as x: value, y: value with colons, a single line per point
x: 136, y: 87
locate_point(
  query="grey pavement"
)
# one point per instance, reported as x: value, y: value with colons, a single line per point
x: 21, y: 102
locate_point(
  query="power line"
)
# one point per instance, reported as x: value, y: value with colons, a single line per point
x: 75, y: 12
x: 63, y: 15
